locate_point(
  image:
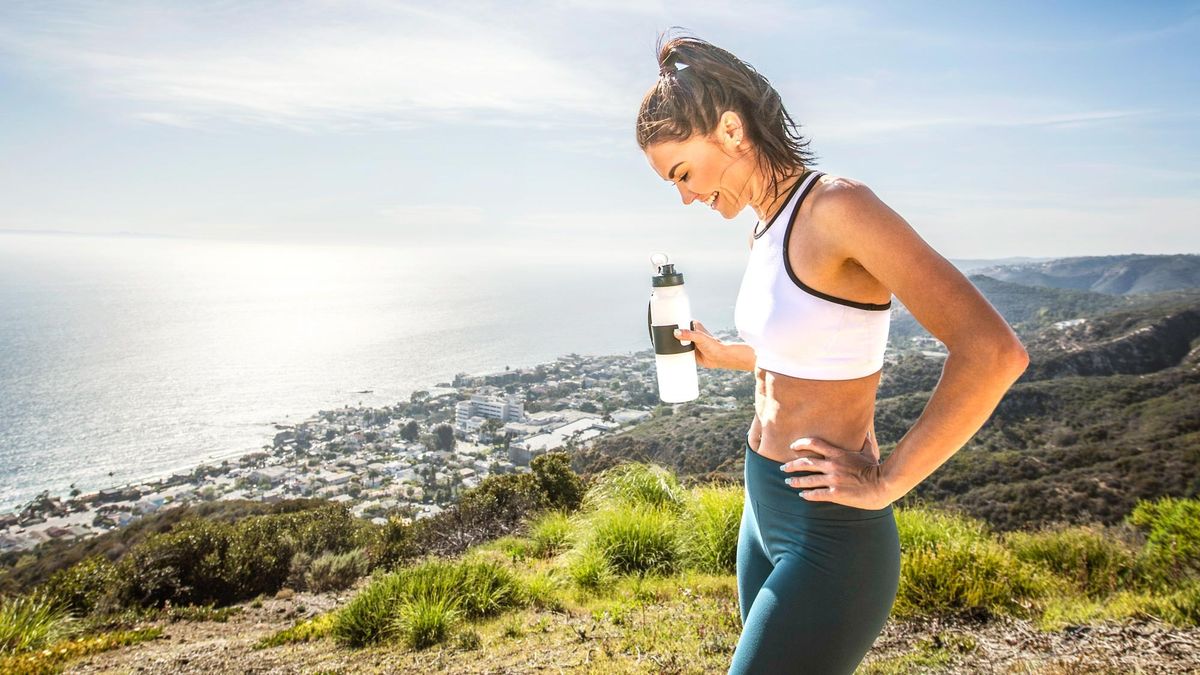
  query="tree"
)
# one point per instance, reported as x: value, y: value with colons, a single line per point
x: 445, y: 437
x: 562, y: 487
x: 411, y: 431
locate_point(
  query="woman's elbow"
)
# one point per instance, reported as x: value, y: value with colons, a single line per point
x: 1006, y: 357
x: 1013, y: 358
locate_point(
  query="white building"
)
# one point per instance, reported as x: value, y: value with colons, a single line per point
x: 507, y: 409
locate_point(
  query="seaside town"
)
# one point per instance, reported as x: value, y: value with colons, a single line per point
x: 406, y: 460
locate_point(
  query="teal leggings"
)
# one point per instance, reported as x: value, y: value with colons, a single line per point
x: 816, y: 580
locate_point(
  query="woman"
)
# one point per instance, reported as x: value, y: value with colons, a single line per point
x: 818, y: 559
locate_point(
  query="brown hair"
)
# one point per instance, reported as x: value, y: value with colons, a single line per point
x: 689, y: 101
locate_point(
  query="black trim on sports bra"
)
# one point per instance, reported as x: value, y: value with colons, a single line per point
x: 787, y: 265
x: 791, y: 191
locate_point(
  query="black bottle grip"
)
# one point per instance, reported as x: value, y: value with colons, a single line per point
x: 663, y: 339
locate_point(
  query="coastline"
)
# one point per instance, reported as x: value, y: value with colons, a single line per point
x: 358, y: 455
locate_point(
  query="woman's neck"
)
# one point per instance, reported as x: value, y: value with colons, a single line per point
x: 774, y: 202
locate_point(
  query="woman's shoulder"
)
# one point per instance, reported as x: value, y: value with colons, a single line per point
x: 833, y: 192
x: 842, y: 210
x: 839, y: 200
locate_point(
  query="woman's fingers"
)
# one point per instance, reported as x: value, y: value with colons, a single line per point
x: 684, y: 334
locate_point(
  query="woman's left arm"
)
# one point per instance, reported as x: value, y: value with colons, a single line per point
x: 985, y: 358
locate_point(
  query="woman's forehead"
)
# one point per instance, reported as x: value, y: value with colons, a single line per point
x: 667, y: 156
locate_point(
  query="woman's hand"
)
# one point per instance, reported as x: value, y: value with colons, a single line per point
x: 847, y: 477
x: 710, y: 351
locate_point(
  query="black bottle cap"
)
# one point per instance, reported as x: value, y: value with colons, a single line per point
x: 667, y: 276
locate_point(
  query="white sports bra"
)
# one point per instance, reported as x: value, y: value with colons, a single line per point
x: 794, y: 329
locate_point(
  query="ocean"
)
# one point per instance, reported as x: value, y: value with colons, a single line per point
x: 124, y: 358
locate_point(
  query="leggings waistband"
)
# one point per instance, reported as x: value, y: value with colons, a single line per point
x: 765, y: 485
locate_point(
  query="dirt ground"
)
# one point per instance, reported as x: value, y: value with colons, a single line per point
x: 545, y: 641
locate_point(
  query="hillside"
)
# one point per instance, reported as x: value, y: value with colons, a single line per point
x: 1112, y: 274
x: 634, y: 575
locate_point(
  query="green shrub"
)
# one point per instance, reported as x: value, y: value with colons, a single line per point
x: 563, y: 488
x: 32, y: 621
x: 258, y: 557
x: 710, y: 523
x: 635, y: 539
x: 183, y: 566
x: 84, y: 586
x: 471, y: 589
x: 926, y: 528
x: 210, y: 562
x: 1172, y: 550
x: 550, y: 534
x: 392, y: 544
x: 978, y: 578
x: 499, y: 505
x: 634, y: 483
x: 1092, y: 561
x: 1180, y: 607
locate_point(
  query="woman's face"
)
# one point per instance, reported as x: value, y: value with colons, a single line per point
x: 715, y: 171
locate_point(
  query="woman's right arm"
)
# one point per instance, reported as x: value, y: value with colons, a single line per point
x: 714, y: 353
x: 739, y: 356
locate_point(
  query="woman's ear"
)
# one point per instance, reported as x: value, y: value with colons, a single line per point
x: 730, y: 131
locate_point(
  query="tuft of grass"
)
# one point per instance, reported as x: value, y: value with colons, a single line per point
x: 711, y: 520
x: 1084, y: 556
x: 367, y: 618
x: 633, y: 484
x: 426, y: 620
x: 636, y: 539
x: 1172, y: 550
x: 969, y: 577
x: 928, y: 528
x: 1180, y: 608
x: 550, y: 534
x: 589, y: 569
x: 303, y: 631
x: 541, y: 590
x: 32, y: 621
x: 51, y: 659
x: 414, y: 602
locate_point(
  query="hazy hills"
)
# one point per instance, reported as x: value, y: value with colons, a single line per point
x: 1114, y: 274
x: 1106, y: 414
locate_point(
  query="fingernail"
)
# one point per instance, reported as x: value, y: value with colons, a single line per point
x: 676, y: 333
x: 783, y: 467
x: 802, y: 441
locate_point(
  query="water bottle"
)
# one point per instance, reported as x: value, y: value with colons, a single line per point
x: 669, y: 309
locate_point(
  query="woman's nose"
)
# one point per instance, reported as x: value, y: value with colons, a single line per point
x: 688, y: 195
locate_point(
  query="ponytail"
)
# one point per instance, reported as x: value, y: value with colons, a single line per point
x: 697, y: 82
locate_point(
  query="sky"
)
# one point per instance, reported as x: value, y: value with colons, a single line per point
x: 995, y: 129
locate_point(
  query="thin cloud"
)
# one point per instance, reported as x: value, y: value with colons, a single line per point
x: 442, y: 214
x: 845, y: 127
x: 376, y: 69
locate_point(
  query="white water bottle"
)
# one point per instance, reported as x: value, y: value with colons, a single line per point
x: 669, y: 309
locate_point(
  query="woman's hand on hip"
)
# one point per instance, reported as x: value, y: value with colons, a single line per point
x: 710, y: 351
x: 847, y: 477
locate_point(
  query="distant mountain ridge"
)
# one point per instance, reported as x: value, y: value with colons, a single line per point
x: 1112, y: 274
